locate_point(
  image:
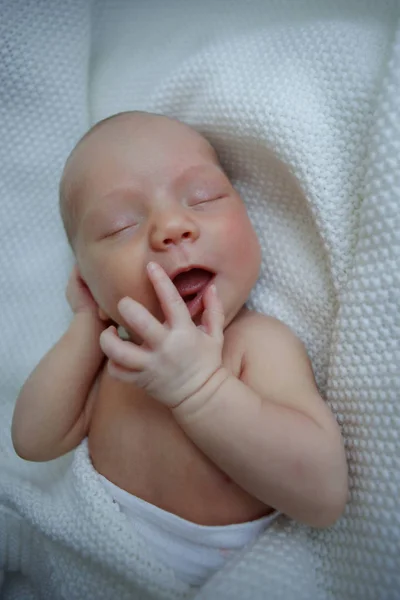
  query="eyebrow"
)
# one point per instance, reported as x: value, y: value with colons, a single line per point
x: 197, y: 169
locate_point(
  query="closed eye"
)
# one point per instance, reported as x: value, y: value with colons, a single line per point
x: 120, y: 230
x: 203, y: 201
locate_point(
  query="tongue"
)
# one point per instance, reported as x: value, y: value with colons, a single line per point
x: 191, y: 282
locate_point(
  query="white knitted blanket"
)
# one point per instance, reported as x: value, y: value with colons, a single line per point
x: 300, y: 98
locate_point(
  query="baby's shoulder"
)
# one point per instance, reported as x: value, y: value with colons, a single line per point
x: 255, y: 335
x: 251, y: 326
x: 270, y: 350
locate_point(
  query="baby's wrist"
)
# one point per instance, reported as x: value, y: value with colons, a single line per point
x: 187, y: 409
x: 87, y: 317
x: 83, y: 307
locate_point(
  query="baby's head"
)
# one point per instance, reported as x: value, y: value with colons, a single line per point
x: 140, y: 187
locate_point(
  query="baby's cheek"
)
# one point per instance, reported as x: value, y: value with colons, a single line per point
x: 240, y: 241
x: 120, y: 278
x: 104, y: 282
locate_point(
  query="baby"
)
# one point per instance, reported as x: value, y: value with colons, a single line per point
x: 205, y: 421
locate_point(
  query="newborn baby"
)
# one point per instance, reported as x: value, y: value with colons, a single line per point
x: 205, y: 421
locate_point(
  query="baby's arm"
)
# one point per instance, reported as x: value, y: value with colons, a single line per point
x: 52, y: 412
x: 271, y: 431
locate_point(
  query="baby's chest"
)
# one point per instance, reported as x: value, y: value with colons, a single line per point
x: 136, y: 443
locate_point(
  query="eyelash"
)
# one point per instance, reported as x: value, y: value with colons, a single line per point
x: 116, y: 231
x: 208, y: 200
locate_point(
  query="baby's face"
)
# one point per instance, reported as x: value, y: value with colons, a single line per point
x: 151, y: 189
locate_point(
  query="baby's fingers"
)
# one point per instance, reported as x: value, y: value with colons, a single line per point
x: 142, y: 322
x: 213, y: 317
x: 121, y: 373
x: 174, y: 308
x: 123, y: 353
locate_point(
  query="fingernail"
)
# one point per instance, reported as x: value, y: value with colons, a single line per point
x: 151, y: 266
x: 213, y: 289
x: 125, y: 304
x: 123, y: 301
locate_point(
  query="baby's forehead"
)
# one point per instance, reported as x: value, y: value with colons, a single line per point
x: 137, y: 128
x: 141, y: 138
x: 115, y: 140
x: 143, y: 143
x: 105, y: 131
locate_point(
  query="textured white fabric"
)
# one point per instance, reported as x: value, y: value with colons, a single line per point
x: 300, y: 98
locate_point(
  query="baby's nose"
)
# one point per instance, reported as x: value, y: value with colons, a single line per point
x: 172, y: 230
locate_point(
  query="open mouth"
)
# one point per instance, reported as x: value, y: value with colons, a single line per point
x: 191, y: 286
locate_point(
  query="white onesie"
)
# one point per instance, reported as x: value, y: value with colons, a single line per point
x: 193, y: 551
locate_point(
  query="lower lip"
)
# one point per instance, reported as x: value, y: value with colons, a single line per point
x: 195, y: 306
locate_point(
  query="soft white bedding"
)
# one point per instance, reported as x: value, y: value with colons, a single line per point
x: 300, y: 98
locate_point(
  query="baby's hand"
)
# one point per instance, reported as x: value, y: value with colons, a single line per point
x: 177, y: 358
x: 78, y: 294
